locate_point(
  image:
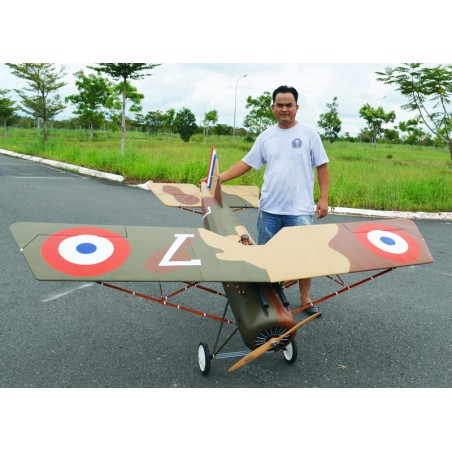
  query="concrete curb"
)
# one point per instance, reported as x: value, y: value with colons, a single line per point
x: 441, y: 216
x: 66, y: 166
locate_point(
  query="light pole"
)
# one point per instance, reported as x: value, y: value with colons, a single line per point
x: 204, y: 121
x: 235, y: 104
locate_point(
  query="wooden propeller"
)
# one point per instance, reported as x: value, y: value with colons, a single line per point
x: 271, y: 343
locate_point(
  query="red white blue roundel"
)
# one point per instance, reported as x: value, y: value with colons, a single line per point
x: 85, y: 251
x: 389, y: 243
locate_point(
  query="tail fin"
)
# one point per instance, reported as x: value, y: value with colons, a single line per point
x: 213, y: 177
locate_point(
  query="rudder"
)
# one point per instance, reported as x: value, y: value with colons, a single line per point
x: 213, y: 177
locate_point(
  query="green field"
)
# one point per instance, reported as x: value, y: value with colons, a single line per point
x: 390, y: 177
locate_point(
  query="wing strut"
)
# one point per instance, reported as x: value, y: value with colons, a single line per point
x: 346, y: 288
x: 163, y: 299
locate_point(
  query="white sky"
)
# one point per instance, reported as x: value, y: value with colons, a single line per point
x: 324, y: 50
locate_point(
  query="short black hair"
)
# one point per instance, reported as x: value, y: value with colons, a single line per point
x: 285, y: 89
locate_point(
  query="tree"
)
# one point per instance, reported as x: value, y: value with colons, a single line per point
x: 415, y: 134
x: 7, y: 109
x: 116, y: 103
x: 168, y: 119
x: 94, y: 94
x: 185, y: 123
x: 24, y: 122
x: 223, y: 129
x: 330, y: 121
x: 429, y: 92
x: 391, y: 135
x: 124, y: 72
x: 261, y: 115
x: 139, y: 121
x: 375, y: 118
x: 348, y: 137
x: 154, y: 120
x: 210, y: 118
x: 43, y: 80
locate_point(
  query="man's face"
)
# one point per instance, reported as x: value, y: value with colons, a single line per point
x: 285, y: 110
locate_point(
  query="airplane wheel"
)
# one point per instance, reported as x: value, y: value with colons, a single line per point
x: 204, y: 358
x: 290, y: 353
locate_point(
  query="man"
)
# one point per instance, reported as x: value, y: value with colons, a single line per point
x: 291, y: 151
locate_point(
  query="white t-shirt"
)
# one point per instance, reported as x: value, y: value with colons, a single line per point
x: 290, y: 155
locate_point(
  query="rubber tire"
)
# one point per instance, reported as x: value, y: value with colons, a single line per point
x: 290, y: 353
x: 204, y: 358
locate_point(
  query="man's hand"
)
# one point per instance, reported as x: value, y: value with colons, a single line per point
x: 324, y: 182
x: 321, y: 209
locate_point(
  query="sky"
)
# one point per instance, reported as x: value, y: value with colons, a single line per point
x: 203, y: 87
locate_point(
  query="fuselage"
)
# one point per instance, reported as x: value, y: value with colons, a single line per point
x: 257, y: 307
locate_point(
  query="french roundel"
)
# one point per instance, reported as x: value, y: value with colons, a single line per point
x: 85, y: 251
x: 389, y: 243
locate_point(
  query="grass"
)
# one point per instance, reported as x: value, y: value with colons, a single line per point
x: 394, y: 177
x: 389, y: 177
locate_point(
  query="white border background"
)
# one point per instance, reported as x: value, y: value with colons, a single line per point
x: 232, y: 31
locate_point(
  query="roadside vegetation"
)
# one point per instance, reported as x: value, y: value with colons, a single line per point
x: 363, y: 175
x: 387, y: 166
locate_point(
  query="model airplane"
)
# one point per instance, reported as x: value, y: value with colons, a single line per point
x: 253, y: 276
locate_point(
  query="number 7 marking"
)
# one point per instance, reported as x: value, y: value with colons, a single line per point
x: 167, y: 262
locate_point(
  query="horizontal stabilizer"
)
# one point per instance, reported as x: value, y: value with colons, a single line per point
x: 189, y: 195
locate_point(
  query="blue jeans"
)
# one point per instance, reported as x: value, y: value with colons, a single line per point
x: 268, y: 224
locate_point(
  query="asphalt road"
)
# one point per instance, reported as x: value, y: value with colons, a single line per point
x: 392, y: 332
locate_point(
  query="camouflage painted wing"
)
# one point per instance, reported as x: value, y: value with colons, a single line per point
x: 132, y: 253
x: 58, y: 252
x: 320, y: 250
x: 189, y: 195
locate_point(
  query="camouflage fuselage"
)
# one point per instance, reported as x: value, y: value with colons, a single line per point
x: 257, y: 307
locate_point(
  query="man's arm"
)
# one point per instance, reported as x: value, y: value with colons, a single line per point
x: 324, y: 184
x: 236, y: 170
